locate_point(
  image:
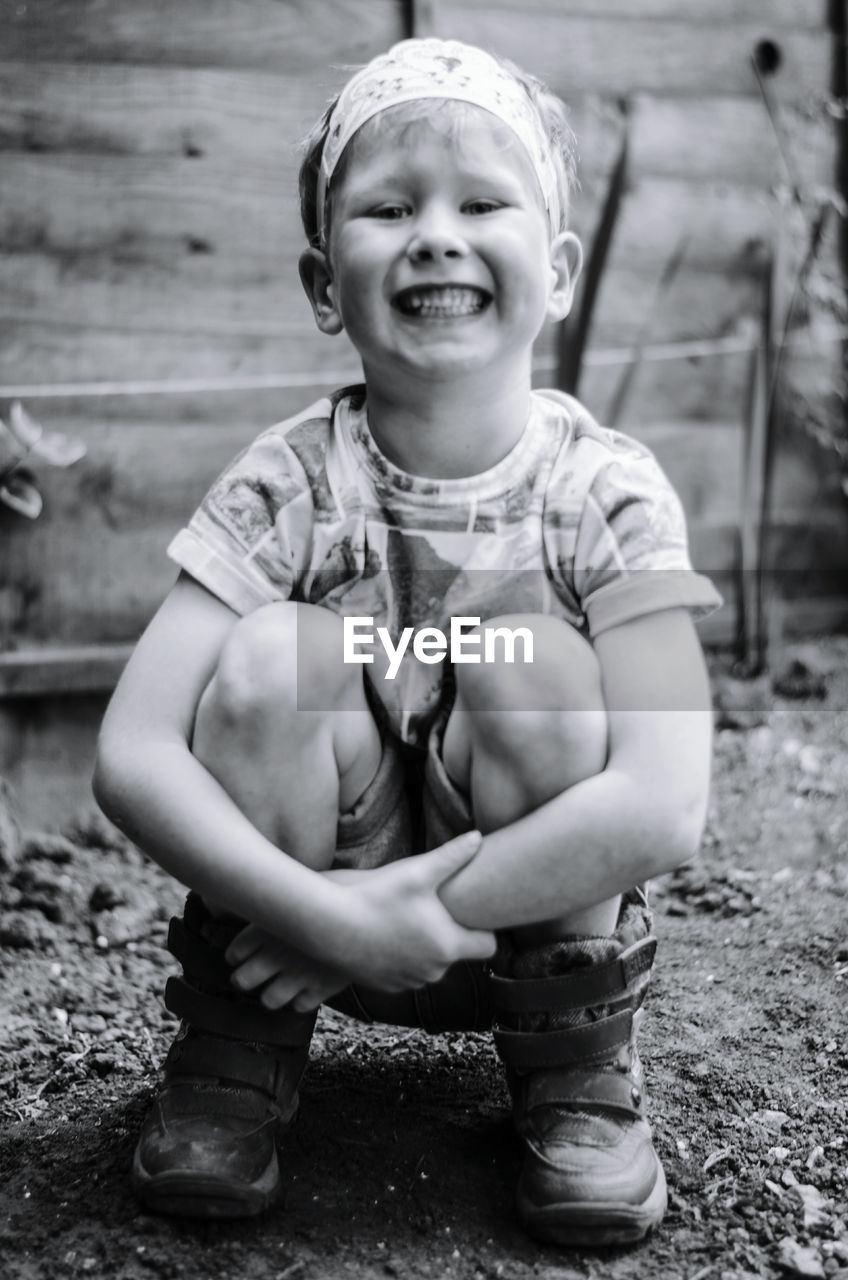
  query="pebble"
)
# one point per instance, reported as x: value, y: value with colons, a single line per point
x: 46, y: 844
x: 24, y: 930
x: 93, y: 1023
x: 800, y: 1260
x: 770, y: 1119
x: 815, y: 1206
x: 801, y: 674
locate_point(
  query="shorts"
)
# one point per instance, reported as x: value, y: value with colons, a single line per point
x: 409, y: 806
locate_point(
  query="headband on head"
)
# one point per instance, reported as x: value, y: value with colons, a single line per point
x: 432, y: 68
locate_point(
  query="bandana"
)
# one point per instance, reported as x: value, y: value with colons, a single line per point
x: 431, y: 68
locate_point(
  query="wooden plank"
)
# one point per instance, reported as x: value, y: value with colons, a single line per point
x: 251, y: 117
x: 792, y: 13
x: 729, y: 139
x: 680, y: 390
x: 41, y: 350
x: 722, y: 226
x: 263, y: 34
x: 638, y: 55
x: 80, y: 669
x: 147, y: 211
x: 699, y: 304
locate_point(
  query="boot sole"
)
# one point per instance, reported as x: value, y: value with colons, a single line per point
x: 185, y: 1193
x: 593, y: 1224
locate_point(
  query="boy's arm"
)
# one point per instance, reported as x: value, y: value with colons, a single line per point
x: 150, y: 785
x: 639, y: 818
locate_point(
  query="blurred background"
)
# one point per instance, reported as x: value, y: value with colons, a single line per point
x: 152, y: 320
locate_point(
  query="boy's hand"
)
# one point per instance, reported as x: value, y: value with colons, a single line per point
x: 293, y: 978
x: 404, y: 936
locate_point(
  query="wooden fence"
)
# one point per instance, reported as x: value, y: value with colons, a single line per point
x: 149, y: 300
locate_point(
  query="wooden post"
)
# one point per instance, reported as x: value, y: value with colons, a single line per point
x: 421, y: 18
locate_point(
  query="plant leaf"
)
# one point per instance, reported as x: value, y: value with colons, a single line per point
x: 59, y: 450
x: 54, y: 447
x: 19, y: 493
x: 27, y: 430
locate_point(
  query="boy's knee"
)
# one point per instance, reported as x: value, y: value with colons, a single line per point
x: 531, y: 662
x: 559, y: 696
x: 282, y: 656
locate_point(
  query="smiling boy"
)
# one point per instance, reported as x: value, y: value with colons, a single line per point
x: 294, y: 791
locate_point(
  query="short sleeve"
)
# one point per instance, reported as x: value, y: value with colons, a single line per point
x: 631, y: 551
x: 241, y: 543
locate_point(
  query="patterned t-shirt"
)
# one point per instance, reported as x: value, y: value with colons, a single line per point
x: 577, y: 521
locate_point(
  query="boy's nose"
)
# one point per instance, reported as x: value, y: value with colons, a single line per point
x: 435, y: 239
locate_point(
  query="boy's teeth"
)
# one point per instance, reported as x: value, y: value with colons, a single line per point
x: 450, y: 301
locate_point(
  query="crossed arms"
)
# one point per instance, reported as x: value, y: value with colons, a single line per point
x: 402, y: 925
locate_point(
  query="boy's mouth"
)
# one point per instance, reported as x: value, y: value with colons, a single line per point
x: 442, y: 301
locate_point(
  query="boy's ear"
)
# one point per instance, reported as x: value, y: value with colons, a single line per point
x: 566, y: 264
x: 317, y: 279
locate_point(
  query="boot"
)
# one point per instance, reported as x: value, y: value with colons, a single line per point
x: 208, y: 1146
x: 566, y: 1018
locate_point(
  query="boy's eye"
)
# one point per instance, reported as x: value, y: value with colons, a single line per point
x: 391, y: 212
x: 481, y: 206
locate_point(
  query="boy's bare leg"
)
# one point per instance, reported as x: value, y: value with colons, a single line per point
x: 290, y: 769
x: 520, y: 734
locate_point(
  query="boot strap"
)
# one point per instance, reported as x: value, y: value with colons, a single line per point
x: 609, y: 1089
x: 579, y: 989
x: 237, y: 1019
x: 217, y: 1058
x: 591, y: 1042
x: 197, y: 956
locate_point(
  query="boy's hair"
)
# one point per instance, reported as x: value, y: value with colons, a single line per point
x: 550, y: 109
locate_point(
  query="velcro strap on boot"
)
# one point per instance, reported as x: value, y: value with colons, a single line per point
x: 225, y: 1060
x: 197, y: 956
x: 591, y: 1042
x: 608, y: 1089
x: 237, y: 1019
x: 579, y: 989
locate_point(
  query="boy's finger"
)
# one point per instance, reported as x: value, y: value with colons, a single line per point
x: 278, y: 993
x: 243, y: 945
x: 439, y: 864
x: 479, y: 945
x: 253, y: 972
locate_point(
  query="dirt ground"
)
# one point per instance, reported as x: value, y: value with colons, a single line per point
x: 402, y: 1161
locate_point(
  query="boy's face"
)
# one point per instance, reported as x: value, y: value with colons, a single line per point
x: 440, y: 259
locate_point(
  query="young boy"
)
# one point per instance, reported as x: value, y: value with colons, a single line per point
x: 292, y: 731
